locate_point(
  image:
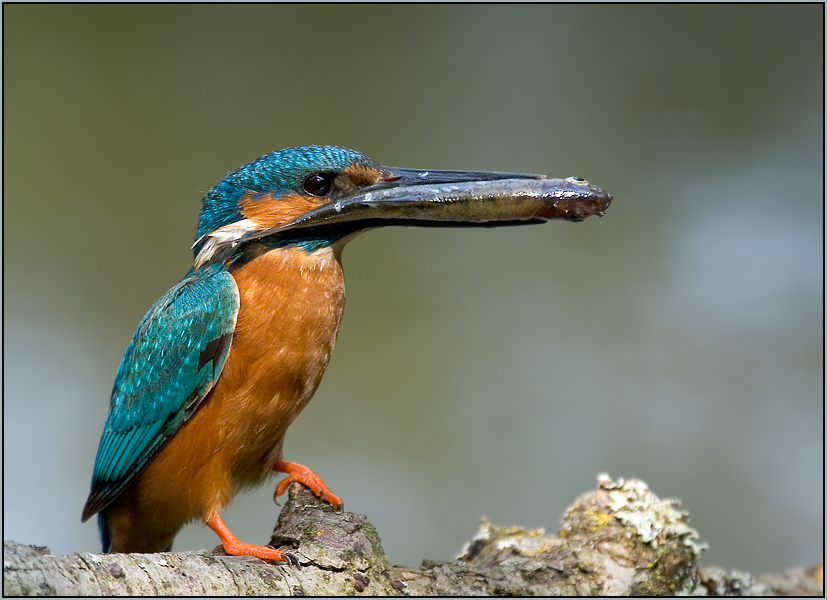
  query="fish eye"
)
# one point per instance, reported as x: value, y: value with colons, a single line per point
x: 319, y: 184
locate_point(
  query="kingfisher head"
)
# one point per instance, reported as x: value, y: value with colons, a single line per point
x: 312, y: 196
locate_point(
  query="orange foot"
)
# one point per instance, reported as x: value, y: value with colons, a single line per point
x: 234, y: 547
x: 302, y: 474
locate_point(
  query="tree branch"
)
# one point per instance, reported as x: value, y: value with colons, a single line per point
x: 617, y: 540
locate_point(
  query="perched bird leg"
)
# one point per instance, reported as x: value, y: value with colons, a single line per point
x: 234, y: 547
x: 302, y: 474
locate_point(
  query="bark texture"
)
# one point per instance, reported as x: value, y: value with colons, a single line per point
x: 619, y: 539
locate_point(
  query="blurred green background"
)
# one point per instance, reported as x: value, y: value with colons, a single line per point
x: 478, y: 372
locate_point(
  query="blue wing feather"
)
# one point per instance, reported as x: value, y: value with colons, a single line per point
x: 172, y: 362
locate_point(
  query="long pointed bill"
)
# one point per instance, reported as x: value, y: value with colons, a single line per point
x: 456, y: 198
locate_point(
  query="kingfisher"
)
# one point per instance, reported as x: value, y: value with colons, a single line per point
x: 223, y: 363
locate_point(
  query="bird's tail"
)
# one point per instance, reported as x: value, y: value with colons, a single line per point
x: 106, y: 539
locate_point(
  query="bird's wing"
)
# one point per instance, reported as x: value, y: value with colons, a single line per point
x: 172, y: 362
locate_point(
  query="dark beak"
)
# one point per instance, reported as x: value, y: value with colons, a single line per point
x: 453, y: 198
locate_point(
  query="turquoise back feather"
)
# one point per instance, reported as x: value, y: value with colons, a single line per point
x: 172, y: 362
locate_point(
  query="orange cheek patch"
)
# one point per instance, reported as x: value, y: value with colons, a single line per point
x: 268, y: 211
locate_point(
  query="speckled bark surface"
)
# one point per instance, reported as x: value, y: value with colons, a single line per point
x: 619, y: 539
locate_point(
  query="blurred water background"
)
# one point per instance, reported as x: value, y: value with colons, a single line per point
x: 478, y: 372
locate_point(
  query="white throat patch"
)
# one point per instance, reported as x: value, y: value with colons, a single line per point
x: 228, y: 235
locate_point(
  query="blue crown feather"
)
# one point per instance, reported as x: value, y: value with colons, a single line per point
x: 281, y: 170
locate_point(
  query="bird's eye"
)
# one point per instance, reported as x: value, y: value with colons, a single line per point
x: 319, y: 184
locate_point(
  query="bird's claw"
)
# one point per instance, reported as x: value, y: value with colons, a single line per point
x: 286, y: 557
x: 301, y: 474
